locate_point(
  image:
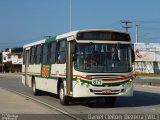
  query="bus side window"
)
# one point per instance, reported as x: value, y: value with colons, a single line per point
x: 38, y: 54
x: 24, y: 56
x: 58, y: 58
x: 44, y: 56
x: 35, y: 54
x: 61, y: 55
x: 32, y: 52
x: 49, y: 53
x: 58, y: 54
x: 53, y: 52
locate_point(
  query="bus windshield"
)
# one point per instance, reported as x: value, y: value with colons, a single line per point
x: 113, y: 58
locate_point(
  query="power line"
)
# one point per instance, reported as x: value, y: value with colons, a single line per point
x: 151, y: 28
x: 147, y: 21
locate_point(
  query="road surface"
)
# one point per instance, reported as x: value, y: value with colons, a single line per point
x: 146, y: 100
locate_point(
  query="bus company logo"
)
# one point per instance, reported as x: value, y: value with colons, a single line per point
x: 45, y: 70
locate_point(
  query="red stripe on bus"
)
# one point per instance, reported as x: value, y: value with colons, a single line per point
x: 118, y: 79
x: 82, y: 77
x: 33, y: 73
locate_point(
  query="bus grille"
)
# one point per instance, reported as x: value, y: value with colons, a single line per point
x: 99, y: 92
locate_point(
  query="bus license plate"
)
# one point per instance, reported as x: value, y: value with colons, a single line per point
x: 96, y: 82
x: 106, y: 91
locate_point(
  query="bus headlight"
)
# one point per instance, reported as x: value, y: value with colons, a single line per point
x: 78, y: 80
x: 127, y: 85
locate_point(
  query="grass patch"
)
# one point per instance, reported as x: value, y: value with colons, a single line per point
x: 148, y: 74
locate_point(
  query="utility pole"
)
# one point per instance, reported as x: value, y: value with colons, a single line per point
x: 137, y: 26
x: 126, y: 24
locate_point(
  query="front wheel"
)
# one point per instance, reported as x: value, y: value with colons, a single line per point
x: 64, y: 100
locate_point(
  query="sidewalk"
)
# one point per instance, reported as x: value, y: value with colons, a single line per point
x: 16, y: 104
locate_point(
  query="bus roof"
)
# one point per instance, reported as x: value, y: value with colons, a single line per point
x: 65, y: 35
x: 76, y: 31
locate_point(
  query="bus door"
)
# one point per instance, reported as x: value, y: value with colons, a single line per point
x: 69, y: 68
x: 27, y: 54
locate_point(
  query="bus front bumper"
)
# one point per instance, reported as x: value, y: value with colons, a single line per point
x: 97, y: 91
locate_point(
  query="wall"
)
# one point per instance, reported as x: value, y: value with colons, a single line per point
x: 147, y: 57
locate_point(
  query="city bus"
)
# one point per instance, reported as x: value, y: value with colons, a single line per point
x: 94, y: 63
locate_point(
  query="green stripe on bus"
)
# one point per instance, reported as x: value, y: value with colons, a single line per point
x: 50, y: 39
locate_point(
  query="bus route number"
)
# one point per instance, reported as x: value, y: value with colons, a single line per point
x: 96, y: 82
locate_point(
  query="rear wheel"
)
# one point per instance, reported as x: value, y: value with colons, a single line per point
x: 110, y: 101
x: 34, y: 89
x: 64, y: 100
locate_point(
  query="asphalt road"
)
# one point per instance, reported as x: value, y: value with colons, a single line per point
x: 146, y: 100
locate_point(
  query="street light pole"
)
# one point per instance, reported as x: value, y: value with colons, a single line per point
x: 137, y: 33
x: 70, y: 15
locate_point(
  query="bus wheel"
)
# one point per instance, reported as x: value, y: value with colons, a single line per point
x: 64, y: 100
x: 110, y: 101
x: 34, y: 89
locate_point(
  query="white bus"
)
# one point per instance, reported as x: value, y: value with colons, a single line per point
x: 81, y: 64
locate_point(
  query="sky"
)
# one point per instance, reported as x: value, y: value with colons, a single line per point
x: 26, y: 21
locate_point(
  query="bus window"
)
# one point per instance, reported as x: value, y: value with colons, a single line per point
x: 53, y: 52
x: 32, y: 52
x: 61, y: 57
x: 45, y: 51
x: 49, y: 53
x: 38, y: 54
x: 24, y: 56
x: 35, y: 54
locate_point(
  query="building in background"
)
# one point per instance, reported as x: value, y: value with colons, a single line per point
x: 147, y: 57
x: 5, y: 57
x: 12, y: 59
x: 1, y: 64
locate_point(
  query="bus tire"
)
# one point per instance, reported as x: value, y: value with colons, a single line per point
x: 64, y: 100
x: 110, y: 101
x: 34, y: 89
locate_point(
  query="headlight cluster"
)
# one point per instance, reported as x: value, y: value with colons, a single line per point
x: 127, y: 85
